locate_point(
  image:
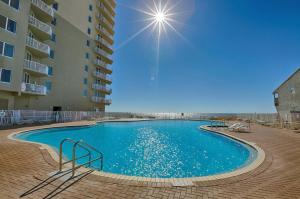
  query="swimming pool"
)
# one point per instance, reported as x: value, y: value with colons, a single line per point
x: 154, y: 149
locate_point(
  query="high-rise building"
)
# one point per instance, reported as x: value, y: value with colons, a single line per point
x: 56, y: 54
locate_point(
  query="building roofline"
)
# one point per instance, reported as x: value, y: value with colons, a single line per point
x: 290, y: 77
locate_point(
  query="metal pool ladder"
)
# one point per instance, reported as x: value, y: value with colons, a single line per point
x: 82, y: 145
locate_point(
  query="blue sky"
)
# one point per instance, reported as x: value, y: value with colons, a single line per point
x: 237, y: 52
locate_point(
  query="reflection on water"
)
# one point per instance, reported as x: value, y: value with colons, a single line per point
x: 162, y: 149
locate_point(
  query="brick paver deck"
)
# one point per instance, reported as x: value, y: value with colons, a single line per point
x: 23, y: 166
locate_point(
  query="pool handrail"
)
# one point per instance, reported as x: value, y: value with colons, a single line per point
x: 81, y: 143
x: 61, y: 163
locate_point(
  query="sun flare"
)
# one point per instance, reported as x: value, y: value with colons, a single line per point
x: 160, y: 17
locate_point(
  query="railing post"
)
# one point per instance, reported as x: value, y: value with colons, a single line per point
x: 101, y: 161
x: 90, y: 159
x: 74, y: 158
x: 60, y: 156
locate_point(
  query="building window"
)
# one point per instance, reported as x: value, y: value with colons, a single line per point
x: 6, y: 49
x: 89, y: 31
x: 12, y: 3
x: 85, y: 81
x: 15, y: 4
x: 55, y: 6
x: 52, y: 54
x: 3, y: 22
x: 5, y: 75
x: 53, y: 37
x: 53, y: 22
x: 91, y: 7
x: 87, y: 55
x: 48, y: 85
x: 85, y: 93
x: 1, y: 47
x: 90, y: 19
x: 50, y: 71
x: 11, y: 26
x: 86, y: 68
x: 87, y: 42
x: 28, y: 56
x: 8, y: 24
x: 26, y: 78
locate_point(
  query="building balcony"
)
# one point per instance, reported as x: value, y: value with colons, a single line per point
x: 103, y: 31
x: 103, y: 42
x: 101, y: 100
x: 38, y: 48
x: 102, y: 77
x: 49, y: 2
x: 33, y: 89
x: 104, y: 20
x: 39, y: 28
x: 43, y: 11
x: 102, y: 88
x: 109, y: 8
x: 106, y: 12
x: 101, y: 52
x: 112, y: 3
x: 104, y: 66
x: 36, y: 68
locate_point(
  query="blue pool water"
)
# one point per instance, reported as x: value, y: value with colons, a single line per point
x: 162, y: 149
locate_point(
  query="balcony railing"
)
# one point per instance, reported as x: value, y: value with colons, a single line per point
x: 36, y: 67
x: 33, y: 89
x: 102, y: 18
x: 103, y: 65
x: 101, y: 88
x: 40, y: 25
x: 33, y: 43
x: 102, y: 7
x: 101, y: 76
x: 43, y: 6
x: 112, y: 3
x: 101, y: 100
x: 103, y: 41
x: 103, y: 53
x: 102, y: 29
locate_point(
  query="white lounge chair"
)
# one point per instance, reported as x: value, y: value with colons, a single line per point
x: 233, y: 126
x: 241, y: 128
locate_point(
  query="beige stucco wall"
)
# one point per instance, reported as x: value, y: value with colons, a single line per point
x: 68, y: 63
x: 6, y: 100
x: 288, y: 101
x: 68, y: 71
x: 18, y: 40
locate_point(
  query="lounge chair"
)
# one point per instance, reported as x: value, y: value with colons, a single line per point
x: 241, y: 128
x: 233, y: 126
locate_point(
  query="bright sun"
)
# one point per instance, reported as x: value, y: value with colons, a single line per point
x: 160, y: 17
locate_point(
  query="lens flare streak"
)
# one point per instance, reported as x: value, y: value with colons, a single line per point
x: 161, y: 18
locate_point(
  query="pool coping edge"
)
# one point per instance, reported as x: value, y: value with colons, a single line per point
x: 173, y: 181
